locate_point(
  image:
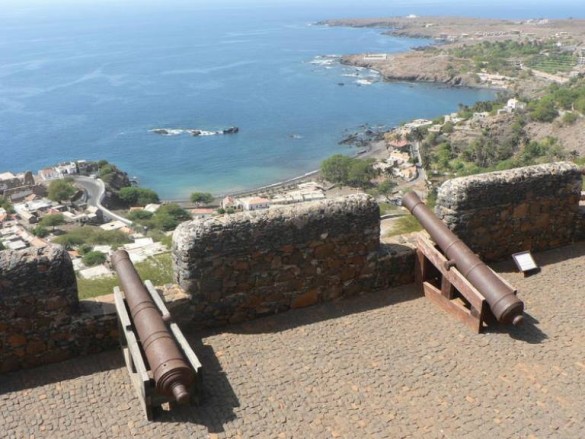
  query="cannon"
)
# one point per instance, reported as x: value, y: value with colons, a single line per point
x: 172, y: 375
x: 499, y: 295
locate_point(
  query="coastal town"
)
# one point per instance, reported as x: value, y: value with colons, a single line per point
x: 537, y: 67
x: 422, y: 279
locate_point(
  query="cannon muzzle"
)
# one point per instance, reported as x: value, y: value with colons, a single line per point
x: 172, y: 375
x: 504, y: 304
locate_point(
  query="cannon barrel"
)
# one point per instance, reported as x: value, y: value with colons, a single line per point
x: 172, y: 375
x: 505, y: 306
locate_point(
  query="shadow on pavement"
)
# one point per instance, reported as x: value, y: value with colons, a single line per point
x: 544, y: 258
x: 63, y: 371
x: 218, y: 399
x: 325, y: 311
x: 528, y: 331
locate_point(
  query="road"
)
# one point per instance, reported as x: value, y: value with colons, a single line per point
x: 96, y: 190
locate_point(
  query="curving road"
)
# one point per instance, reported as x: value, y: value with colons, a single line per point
x: 96, y: 190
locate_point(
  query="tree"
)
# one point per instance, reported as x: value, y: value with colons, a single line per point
x: 168, y: 216
x: 2, y: 246
x: 348, y: 171
x: 201, y: 197
x: 139, y: 215
x: 386, y: 188
x: 447, y: 128
x: 93, y: 258
x: 52, y: 220
x: 360, y: 172
x: 40, y: 231
x: 336, y: 168
x: 543, y: 110
x: 60, y: 190
x: 6, y: 205
x: 133, y: 196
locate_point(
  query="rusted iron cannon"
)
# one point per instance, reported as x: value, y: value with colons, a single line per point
x: 504, y: 304
x: 172, y: 375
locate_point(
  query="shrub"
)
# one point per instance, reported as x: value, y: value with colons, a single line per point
x: 94, y: 258
x: 201, y: 197
x: 60, y: 190
x: 137, y: 196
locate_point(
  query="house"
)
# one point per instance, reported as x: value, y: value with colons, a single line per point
x: 230, y: 202
x: 478, y: 117
x: 514, y: 104
x: 66, y: 169
x: 453, y: 118
x: 409, y: 173
x: 48, y: 174
x: 113, y: 225
x: 202, y: 212
x: 399, y: 144
x: 418, y: 123
x: 255, y: 203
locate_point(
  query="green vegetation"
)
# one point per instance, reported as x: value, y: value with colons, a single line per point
x: 505, y: 57
x: 568, y: 97
x: 348, y: 171
x: 157, y: 269
x: 167, y: 217
x: 386, y: 188
x: 2, y: 246
x: 137, y: 196
x: 92, y: 236
x: 201, y: 197
x: 92, y: 258
x: 405, y: 224
x: 61, y: 190
x: 6, y: 205
x: 107, y: 172
x: 386, y: 208
x: 52, y: 220
x: 569, y: 118
x: 40, y: 231
x: 543, y: 110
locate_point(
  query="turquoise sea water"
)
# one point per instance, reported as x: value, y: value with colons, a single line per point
x: 89, y: 82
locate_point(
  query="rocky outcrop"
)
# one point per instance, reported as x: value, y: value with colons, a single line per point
x: 415, y: 66
x: 193, y: 132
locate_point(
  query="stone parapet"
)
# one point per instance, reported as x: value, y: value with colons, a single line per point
x: 251, y: 264
x: 499, y: 213
x: 41, y: 318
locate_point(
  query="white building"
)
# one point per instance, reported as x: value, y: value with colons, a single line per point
x: 255, y: 203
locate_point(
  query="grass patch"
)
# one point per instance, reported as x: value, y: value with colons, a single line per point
x: 386, y: 208
x: 405, y: 224
x: 157, y: 269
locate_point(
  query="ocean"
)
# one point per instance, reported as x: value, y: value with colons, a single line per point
x: 90, y: 81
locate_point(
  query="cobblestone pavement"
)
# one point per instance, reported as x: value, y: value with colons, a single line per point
x: 386, y: 365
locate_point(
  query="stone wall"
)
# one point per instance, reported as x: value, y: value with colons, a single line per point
x: 238, y: 267
x: 41, y: 318
x: 499, y: 213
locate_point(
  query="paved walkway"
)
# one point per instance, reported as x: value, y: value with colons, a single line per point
x: 388, y: 365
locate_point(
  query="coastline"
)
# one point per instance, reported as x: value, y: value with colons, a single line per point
x: 372, y: 148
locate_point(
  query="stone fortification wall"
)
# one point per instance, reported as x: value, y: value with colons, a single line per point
x: 246, y: 265
x: 41, y: 319
x: 500, y: 213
